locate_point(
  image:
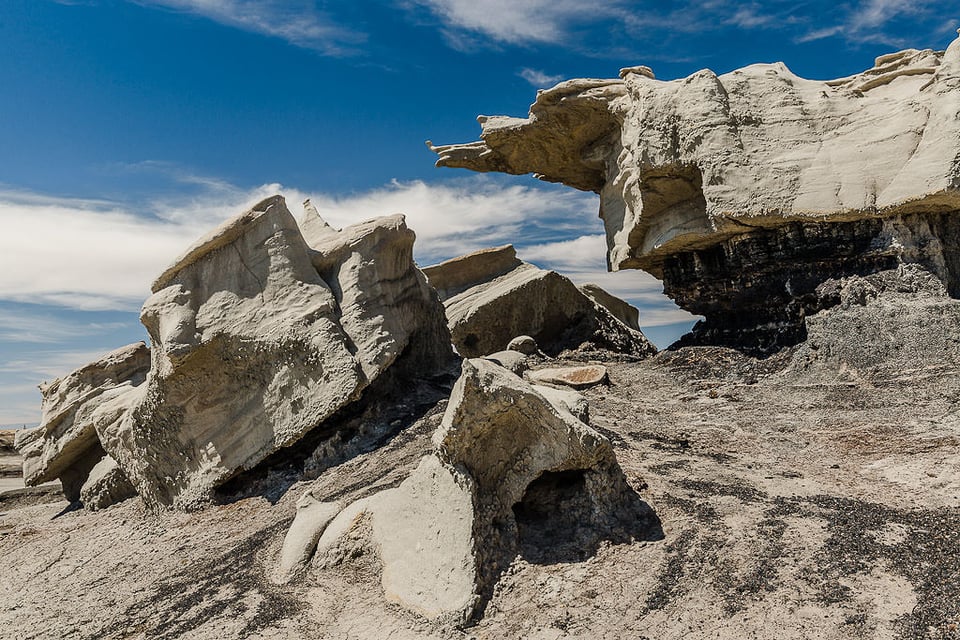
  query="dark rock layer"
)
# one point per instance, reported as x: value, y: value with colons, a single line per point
x: 755, y: 290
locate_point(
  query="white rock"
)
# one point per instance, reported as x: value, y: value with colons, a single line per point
x: 685, y: 164
x: 66, y: 445
x: 492, y: 298
x: 312, y: 518
x: 106, y: 485
x: 252, y: 348
x: 445, y: 534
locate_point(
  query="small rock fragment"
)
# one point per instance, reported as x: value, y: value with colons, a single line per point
x: 576, y: 377
x: 524, y: 344
x: 515, y: 361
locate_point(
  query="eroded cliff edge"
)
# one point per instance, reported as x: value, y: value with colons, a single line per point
x: 744, y: 192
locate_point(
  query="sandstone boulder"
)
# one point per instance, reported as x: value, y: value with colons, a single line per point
x: 258, y: 338
x: 386, y: 306
x: 513, y: 471
x: 491, y: 297
x: 511, y: 360
x: 743, y: 192
x: 66, y: 444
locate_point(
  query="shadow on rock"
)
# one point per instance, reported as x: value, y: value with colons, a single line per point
x: 557, y: 522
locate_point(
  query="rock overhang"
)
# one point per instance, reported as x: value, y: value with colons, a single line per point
x: 744, y: 191
x: 685, y: 164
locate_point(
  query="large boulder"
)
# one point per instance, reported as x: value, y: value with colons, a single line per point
x: 66, y: 446
x: 513, y: 471
x: 745, y: 191
x: 491, y: 297
x: 386, y: 306
x: 258, y: 338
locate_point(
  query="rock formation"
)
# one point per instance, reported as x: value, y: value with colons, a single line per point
x: 745, y: 191
x: 890, y: 325
x: 106, y: 484
x: 491, y: 297
x: 259, y: 337
x: 576, y: 377
x: 11, y: 463
x: 512, y: 468
x: 66, y: 445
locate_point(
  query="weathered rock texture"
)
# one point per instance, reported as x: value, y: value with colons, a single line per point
x: 513, y: 468
x: 66, y: 444
x: 492, y: 297
x: 258, y: 338
x: 11, y: 463
x: 745, y: 191
x: 106, y: 484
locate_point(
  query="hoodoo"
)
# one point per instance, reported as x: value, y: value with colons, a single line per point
x: 744, y: 192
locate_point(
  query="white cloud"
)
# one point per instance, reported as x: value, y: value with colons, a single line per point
x: 296, y: 21
x: 876, y: 13
x: 452, y: 219
x: 515, y: 22
x: 28, y: 326
x: 88, y: 254
x: 538, y: 78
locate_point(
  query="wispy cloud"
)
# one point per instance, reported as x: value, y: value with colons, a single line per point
x: 296, y: 21
x: 512, y: 22
x: 97, y: 255
x: 538, y: 78
x: 455, y: 218
x: 47, y: 327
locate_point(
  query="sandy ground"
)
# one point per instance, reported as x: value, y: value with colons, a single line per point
x: 10, y: 483
x: 793, y: 505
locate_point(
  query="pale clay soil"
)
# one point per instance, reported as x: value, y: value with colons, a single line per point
x: 792, y: 506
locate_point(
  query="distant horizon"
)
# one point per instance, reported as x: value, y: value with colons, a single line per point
x: 137, y: 125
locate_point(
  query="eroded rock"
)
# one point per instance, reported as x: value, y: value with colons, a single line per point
x: 524, y: 344
x: 300, y: 543
x: 513, y: 471
x: 258, y: 338
x: 492, y: 297
x: 898, y: 324
x: 106, y: 485
x: 745, y: 191
x: 66, y: 445
x: 509, y: 359
x: 11, y: 463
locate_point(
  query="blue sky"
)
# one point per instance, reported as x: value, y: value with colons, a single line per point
x: 129, y: 127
